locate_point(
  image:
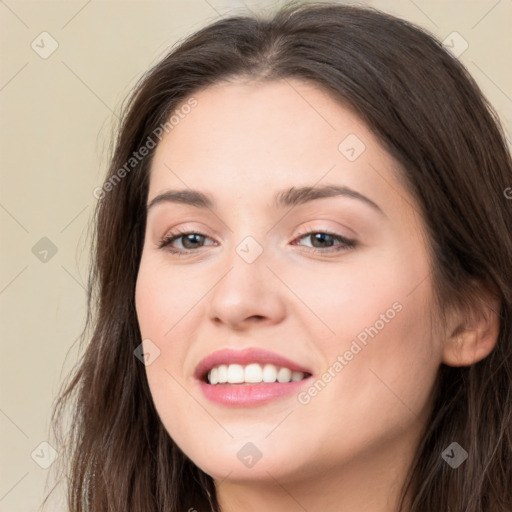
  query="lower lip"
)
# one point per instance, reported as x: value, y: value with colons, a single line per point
x: 247, y: 395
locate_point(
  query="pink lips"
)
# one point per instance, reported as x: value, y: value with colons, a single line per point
x: 246, y: 395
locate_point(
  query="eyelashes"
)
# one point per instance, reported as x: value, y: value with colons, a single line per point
x: 166, y: 242
x: 325, y: 235
x: 315, y: 237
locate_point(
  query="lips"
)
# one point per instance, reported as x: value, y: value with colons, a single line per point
x: 248, y: 394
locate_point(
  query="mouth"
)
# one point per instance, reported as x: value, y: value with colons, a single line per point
x: 248, y: 377
x: 253, y: 373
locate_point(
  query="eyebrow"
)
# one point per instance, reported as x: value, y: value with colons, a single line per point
x: 284, y: 198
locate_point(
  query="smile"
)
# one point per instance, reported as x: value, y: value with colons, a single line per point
x: 249, y: 377
x: 253, y: 373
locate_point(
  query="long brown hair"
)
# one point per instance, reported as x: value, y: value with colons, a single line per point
x: 430, y: 115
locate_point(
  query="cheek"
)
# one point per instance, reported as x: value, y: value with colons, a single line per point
x: 163, y: 298
x: 383, y: 359
x: 163, y: 305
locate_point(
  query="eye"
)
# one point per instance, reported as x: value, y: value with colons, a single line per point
x: 189, y: 240
x: 325, y: 241
x: 322, y: 241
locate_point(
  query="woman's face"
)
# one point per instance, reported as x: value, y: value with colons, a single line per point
x: 267, y: 280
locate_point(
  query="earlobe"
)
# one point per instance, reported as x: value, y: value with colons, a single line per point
x: 473, y: 339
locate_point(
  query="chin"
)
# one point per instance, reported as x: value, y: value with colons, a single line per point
x: 244, y: 460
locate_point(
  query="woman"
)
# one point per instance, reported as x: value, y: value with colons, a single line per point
x: 302, y: 280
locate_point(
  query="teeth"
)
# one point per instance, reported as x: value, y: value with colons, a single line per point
x: 297, y: 376
x: 284, y: 375
x: 269, y: 373
x: 252, y: 373
x: 235, y: 373
x: 223, y: 373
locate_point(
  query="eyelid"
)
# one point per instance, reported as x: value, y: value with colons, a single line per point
x: 345, y: 244
x: 312, y: 229
x: 177, y: 233
x: 184, y: 229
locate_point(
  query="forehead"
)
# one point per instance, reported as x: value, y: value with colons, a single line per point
x: 245, y: 138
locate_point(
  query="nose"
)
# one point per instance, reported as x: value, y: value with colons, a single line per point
x: 247, y: 294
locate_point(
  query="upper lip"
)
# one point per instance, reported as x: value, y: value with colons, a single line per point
x: 246, y: 356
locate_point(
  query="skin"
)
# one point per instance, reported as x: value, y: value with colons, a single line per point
x: 350, y: 446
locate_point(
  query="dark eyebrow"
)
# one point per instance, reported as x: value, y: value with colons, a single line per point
x: 295, y: 196
x: 191, y: 197
x: 285, y: 198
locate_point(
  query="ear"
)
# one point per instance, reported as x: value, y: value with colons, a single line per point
x: 473, y: 333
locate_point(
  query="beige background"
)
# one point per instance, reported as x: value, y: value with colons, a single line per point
x: 57, y: 115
